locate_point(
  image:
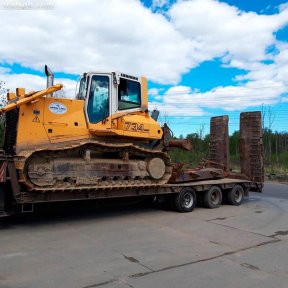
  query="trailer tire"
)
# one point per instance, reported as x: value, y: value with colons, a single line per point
x: 185, y: 201
x: 212, y: 198
x: 235, y: 195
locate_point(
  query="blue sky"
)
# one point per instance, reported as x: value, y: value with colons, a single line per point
x: 203, y: 58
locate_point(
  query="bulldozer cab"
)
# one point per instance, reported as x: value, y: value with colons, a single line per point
x: 116, y: 104
x: 106, y: 94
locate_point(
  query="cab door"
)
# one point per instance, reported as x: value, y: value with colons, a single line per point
x: 98, y: 104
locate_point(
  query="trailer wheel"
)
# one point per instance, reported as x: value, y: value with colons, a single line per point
x: 235, y: 195
x: 185, y: 201
x: 213, y: 197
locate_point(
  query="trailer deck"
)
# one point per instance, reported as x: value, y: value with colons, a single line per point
x: 211, y: 181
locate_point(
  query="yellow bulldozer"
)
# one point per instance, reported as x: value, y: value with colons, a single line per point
x: 105, y: 138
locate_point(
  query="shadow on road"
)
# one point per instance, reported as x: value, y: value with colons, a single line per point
x: 69, y: 212
x: 54, y: 213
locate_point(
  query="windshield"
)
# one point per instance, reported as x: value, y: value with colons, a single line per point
x: 129, y: 94
x: 83, y: 88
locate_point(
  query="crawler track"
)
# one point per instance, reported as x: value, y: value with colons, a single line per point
x: 91, y: 165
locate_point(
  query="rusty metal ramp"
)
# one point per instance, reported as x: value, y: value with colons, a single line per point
x: 219, y: 141
x: 251, y: 146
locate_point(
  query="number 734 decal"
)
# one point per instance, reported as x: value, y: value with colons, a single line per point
x: 137, y: 127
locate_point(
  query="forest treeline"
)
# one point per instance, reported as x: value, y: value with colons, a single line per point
x: 275, y: 146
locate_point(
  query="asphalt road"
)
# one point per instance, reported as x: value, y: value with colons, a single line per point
x: 131, y: 246
x: 275, y: 190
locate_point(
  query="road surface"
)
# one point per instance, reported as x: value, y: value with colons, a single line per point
x: 130, y: 246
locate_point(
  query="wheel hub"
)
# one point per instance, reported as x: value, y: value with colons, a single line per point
x: 188, y: 200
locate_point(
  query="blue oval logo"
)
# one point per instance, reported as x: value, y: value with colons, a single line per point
x: 57, y: 108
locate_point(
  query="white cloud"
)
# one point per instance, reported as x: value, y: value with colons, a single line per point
x: 174, y: 102
x: 155, y: 94
x: 161, y: 6
x: 35, y: 83
x: 79, y: 36
x: 123, y: 35
x: 229, y: 98
x: 242, y: 40
x: 175, y: 109
x: 264, y: 84
x: 4, y: 70
x: 159, y: 3
x: 283, y: 6
x: 219, y: 28
x: 153, y: 91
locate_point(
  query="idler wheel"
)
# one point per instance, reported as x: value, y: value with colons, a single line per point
x: 156, y: 168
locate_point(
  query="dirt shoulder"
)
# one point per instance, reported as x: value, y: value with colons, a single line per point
x: 278, y: 178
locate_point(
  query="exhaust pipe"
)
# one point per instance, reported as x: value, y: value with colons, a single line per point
x: 50, y: 78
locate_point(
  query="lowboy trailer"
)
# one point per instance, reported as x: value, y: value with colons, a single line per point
x: 211, y: 183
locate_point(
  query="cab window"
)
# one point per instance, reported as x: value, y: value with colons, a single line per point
x: 129, y: 94
x: 98, y: 102
x: 83, y: 88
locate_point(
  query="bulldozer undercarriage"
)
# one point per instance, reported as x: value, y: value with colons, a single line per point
x: 93, y: 165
